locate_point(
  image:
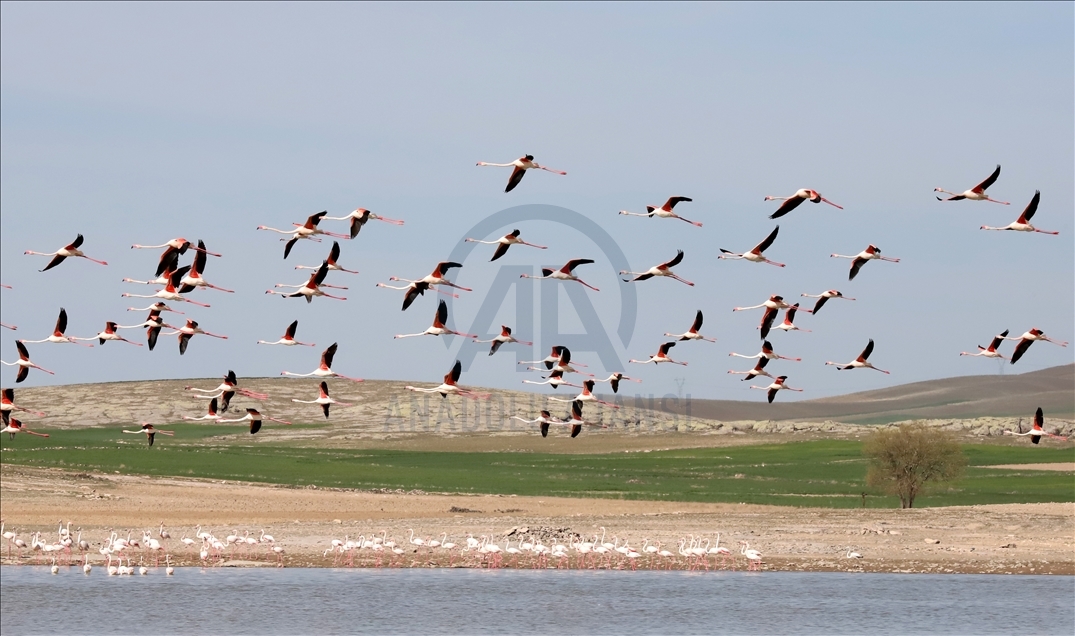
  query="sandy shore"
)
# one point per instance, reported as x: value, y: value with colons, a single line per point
x: 1018, y: 538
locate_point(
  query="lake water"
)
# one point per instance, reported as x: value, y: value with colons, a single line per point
x: 316, y: 601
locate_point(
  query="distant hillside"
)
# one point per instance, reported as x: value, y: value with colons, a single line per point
x: 965, y: 397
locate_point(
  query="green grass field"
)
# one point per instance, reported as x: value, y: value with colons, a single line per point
x: 827, y: 473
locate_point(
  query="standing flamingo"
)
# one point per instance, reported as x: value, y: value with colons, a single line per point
x: 755, y: 255
x: 520, y: 166
x: 504, y: 242
x: 766, y: 352
x: 324, y: 370
x: 776, y: 386
x: 188, y: 331
x: 449, y: 385
x: 15, y: 426
x: 288, y: 340
x: 1038, y: 431
x: 860, y: 362
x: 753, y: 556
x: 991, y: 351
x: 567, y: 272
x: 59, y: 255
x: 504, y: 338
x: 58, y: 332
x: 24, y: 363
x: 664, y: 211
x: 664, y: 269
x: 759, y: 369
x: 823, y: 298
x: 692, y: 334
x: 977, y: 193
x: 1022, y: 224
x: 359, y: 218
x: 439, y: 327
x: 323, y: 399
x: 150, y: 432
x: 872, y: 252
x: 792, y: 202
x: 310, y: 288
x: 255, y: 418
x: 333, y: 255
x: 660, y: 356
x: 1025, y: 341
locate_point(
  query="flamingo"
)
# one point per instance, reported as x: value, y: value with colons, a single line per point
x: 307, y: 230
x: 169, y: 292
x: 664, y: 269
x: 288, y: 340
x: 188, y: 331
x: 991, y: 351
x: 109, y: 333
x: 7, y: 326
x: 180, y: 244
x: 665, y: 211
x: 550, y: 360
x: 58, y: 332
x: 614, y: 380
x: 1025, y: 341
x: 823, y: 298
x: 449, y: 385
x: 577, y: 421
x: 792, y: 202
x: 660, y: 356
x: 504, y: 243
x: 255, y: 418
x: 977, y: 193
x: 359, y: 218
x: 789, y: 317
x: 555, y: 380
x: 310, y: 288
x: 1038, y: 431
x: 563, y: 363
x: 7, y: 405
x: 852, y: 555
x: 755, y: 255
x: 771, y: 306
x: 153, y: 328
x: 872, y: 252
x: 150, y: 432
x: 565, y: 273
x: 520, y: 166
x: 194, y: 278
x: 724, y: 553
x: 15, y: 426
x: 693, y: 333
x: 227, y: 390
x: 168, y: 264
x: 333, y: 256
x: 323, y: 399
x: 586, y: 396
x: 759, y: 369
x: 753, y: 556
x: 157, y: 306
x: 504, y: 338
x: 324, y: 370
x: 766, y: 352
x: 210, y: 416
x: 860, y: 362
x: 544, y: 418
x: 24, y: 363
x: 1022, y: 224
x: 414, y: 290
x: 59, y: 255
x: 777, y: 385
x: 438, y: 328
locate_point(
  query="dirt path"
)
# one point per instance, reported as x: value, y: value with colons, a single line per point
x: 1022, y: 538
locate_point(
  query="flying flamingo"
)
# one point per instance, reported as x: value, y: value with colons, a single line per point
x: 58, y: 332
x: 210, y: 416
x: 324, y: 370
x: 227, y: 390
x: 789, y: 317
x: 693, y: 333
x: 759, y: 369
x: 504, y: 243
x: 753, y: 556
x: 323, y: 399
x: 520, y: 165
x: 69, y: 250
x: 169, y: 292
x: 180, y: 244
x: 157, y: 306
x: 1038, y: 431
x: 289, y: 338
x: 823, y: 298
x: 755, y: 255
x: 414, y: 290
x: 550, y: 360
x: 153, y: 326
x: 255, y: 418
x: 310, y: 288
x: 577, y: 421
x: 660, y: 356
x: 437, y: 276
x: 359, y: 218
x: 504, y: 338
x: 150, y: 432
x: 860, y: 362
x: 614, y: 381
x: 586, y: 396
x: 333, y: 266
x: 544, y: 419
x: 307, y: 230
x: 15, y: 426
x: 167, y: 266
x: 7, y: 326
x: 565, y: 273
x: 991, y: 350
x: 665, y: 211
x: 872, y: 252
x: 664, y: 269
x: 194, y: 278
x: 777, y: 385
x: 792, y: 202
x: 555, y: 380
x: 563, y: 363
x: 1022, y: 224
x: 977, y: 193
x: 24, y: 363
x: 766, y: 352
x: 449, y: 385
x: 771, y: 306
x: 1025, y: 341
x: 438, y: 328
x: 109, y: 333
x: 187, y: 332
x: 7, y: 405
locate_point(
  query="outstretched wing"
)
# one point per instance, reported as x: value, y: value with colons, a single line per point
x: 767, y: 321
x: 225, y: 400
x: 61, y: 321
x: 255, y: 426
x: 820, y: 303
x: 151, y: 336
x: 1039, y: 418
x: 867, y: 351
x: 1020, y: 349
x: 24, y: 353
x: 785, y: 207
x: 290, y: 244
x: 501, y: 249
x: 697, y: 321
x: 544, y: 429
x: 324, y: 407
x: 326, y: 356
x: 516, y: 177
x: 496, y: 345
x: 23, y: 372
x: 989, y: 181
x: 575, y: 430
x: 764, y: 245
x: 999, y: 338
x: 672, y: 201
x: 334, y: 253
x: 168, y: 260
x: 856, y: 265
x: 75, y: 244
x: 414, y: 291
x: 457, y: 370
x: 184, y: 339
x: 442, y: 314
x: 56, y: 260
x: 772, y: 394
x: 572, y: 264
x: 443, y: 267
x: 675, y: 261
x: 290, y: 331
x: 666, y: 346
x: 1031, y: 208
x: 790, y: 316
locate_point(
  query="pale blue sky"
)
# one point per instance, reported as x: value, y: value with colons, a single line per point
x: 136, y: 123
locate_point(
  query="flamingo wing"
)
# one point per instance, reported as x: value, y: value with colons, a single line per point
x: 1039, y: 418
x: 772, y: 394
x: 866, y: 352
x: 572, y: 264
x: 565, y: 356
x: 414, y: 291
x: 516, y: 176
x: 225, y: 400
x: 326, y: 356
x: 575, y: 430
x: 255, y: 426
x: 787, y: 206
x: 697, y: 321
x: 856, y: 265
x: 665, y: 347
x: 675, y: 261
x: 24, y: 353
x: 56, y: 260
x: 820, y: 303
x: 999, y: 338
x: 324, y: 407
x: 1031, y: 208
x: 790, y: 315
x: 334, y: 253
x: 454, y: 374
x: 442, y: 268
x: 168, y: 261
x: 184, y: 339
x: 615, y: 384
x: 151, y: 336
x: 75, y: 244
x: 442, y: 314
x: 23, y: 372
x: 200, y: 258
x: 289, y: 333
x: 501, y: 249
x: 767, y: 321
x: 990, y: 180
x: 672, y: 201
x: 61, y: 321
x: 496, y: 345
x: 544, y: 429
x: 764, y: 245
x: 1020, y: 349
x: 177, y: 275
x: 290, y: 244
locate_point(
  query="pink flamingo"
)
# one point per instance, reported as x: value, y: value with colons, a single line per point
x: 71, y: 249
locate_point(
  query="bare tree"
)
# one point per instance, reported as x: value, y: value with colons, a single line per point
x: 903, y: 460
